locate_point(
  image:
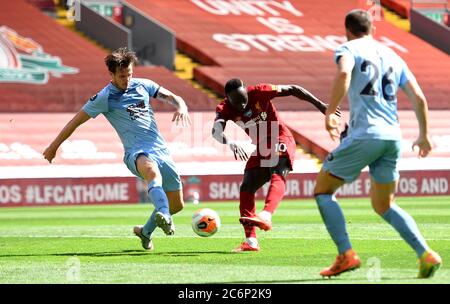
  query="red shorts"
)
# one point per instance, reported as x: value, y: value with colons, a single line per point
x: 285, y: 148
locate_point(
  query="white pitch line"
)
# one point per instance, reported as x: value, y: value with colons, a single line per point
x: 215, y: 237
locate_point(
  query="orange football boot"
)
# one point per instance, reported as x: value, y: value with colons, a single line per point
x: 428, y: 264
x: 256, y: 221
x: 246, y: 247
x: 344, y: 262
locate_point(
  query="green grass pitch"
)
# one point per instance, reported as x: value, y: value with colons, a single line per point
x: 95, y: 244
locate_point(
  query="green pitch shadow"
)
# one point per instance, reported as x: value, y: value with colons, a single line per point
x: 118, y: 253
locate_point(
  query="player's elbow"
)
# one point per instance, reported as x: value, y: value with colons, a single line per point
x: 295, y: 90
x: 421, y: 101
x: 415, y: 95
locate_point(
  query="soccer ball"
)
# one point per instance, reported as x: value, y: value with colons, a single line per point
x: 205, y: 222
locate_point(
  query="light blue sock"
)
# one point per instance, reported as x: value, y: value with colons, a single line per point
x: 161, y: 203
x: 407, y: 227
x: 334, y: 220
x: 158, y: 197
x: 150, y: 226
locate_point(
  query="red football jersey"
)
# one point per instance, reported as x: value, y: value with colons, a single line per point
x: 261, y: 122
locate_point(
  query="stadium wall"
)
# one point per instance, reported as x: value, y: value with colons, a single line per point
x: 109, y: 190
x: 153, y: 42
x: 95, y: 26
x: 435, y: 33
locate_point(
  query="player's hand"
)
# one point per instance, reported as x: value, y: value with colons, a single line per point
x: 49, y: 153
x: 238, y: 151
x: 325, y: 107
x: 338, y: 112
x: 332, y: 122
x: 181, y: 116
x: 424, y: 144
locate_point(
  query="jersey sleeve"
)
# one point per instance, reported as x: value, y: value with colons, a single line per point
x: 151, y: 87
x: 222, y: 113
x: 341, y: 51
x: 263, y: 93
x: 97, y: 104
x: 405, y: 74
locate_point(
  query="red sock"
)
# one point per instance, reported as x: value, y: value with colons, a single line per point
x: 247, y: 207
x: 275, y: 193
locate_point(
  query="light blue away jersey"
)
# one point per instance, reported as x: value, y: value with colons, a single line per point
x: 377, y: 73
x: 130, y: 113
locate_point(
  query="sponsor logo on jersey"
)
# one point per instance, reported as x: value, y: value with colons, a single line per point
x: 93, y: 97
x: 137, y: 110
x: 23, y: 60
x: 254, y: 121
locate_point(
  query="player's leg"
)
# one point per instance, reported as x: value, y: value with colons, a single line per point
x: 382, y: 197
x: 253, y: 180
x: 142, y: 170
x: 172, y: 185
x: 341, y: 166
x: 333, y: 217
x: 148, y: 169
x: 384, y: 177
x: 276, y: 190
x: 280, y: 164
x: 330, y: 211
x: 176, y: 201
x: 277, y: 177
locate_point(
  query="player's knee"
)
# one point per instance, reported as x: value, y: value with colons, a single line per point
x: 150, y: 175
x: 321, y: 189
x: 327, y: 183
x: 147, y: 169
x: 381, y: 209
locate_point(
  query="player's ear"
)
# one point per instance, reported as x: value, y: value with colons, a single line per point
x: 348, y: 34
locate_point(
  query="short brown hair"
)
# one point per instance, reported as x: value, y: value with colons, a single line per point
x: 120, y: 58
x: 358, y: 22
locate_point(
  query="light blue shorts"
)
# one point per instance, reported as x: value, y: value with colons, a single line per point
x: 352, y: 155
x: 170, y: 178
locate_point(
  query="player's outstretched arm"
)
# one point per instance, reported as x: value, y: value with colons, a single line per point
x: 80, y: 118
x: 419, y: 102
x: 181, y: 114
x: 217, y: 133
x: 303, y: 94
